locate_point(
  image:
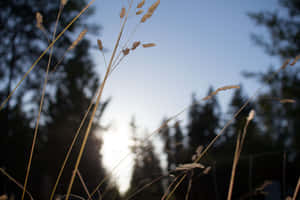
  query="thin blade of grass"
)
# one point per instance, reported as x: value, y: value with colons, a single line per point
x: 41, y: 104
x: 296, y: 189
x: 97, y: 104
x: 83, y: 184
x: 15, y: 181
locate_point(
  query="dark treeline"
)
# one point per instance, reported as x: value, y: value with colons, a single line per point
x: 272, y: 146
x: 68, y: 95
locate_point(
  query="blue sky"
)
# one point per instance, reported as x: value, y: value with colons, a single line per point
x: 199, y: 43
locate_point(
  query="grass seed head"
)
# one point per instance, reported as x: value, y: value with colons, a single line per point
x: 63, y: 2
x: 139, y: 12
x: 220, y: 89
x: 251, y: 115
x: 79, y: 38
x: 207, y: 170
x: 154, y: 6
x: 126, y: 51
x: 295, y: 60
x: 100, y: 45
x: 287, y: 101
x: 39, y: 20
x: 150, y: 11
x: 141, y: 4
x: 122, y: 13
x: 149, y: 45
x: 135, y: 45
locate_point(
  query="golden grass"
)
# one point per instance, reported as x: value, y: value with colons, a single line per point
x: 97, y: 104
x: 149, y: 45
x: 237, y: 153
x: 113, y: 63
x: 83, y: 184
x: 78, y: 39
x: 44, y: 52
x: 141, y: 4
x: 296, y: 189
x: 40, y: 21
x: 226, y: 126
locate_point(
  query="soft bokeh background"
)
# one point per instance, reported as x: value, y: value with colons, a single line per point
x: 199, y: 44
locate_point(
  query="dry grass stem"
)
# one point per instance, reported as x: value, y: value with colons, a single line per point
x: 295, y: 60
x: 169, y: 187
x: 149, y: 45
x: 41, y: 103
x: 296, y: 189
x: 44, y: 53
x: 78, y: 39
x: 60, y: 61
x: 238, y: 150
x: 234, y: 165
x: 15, y: 181
x: 219, y: 90
x: 207, y: 170
x: 141, y: 4
x: 189, y: 186
x: 285, y: 64
x: 264, y: 185
x: 71, y: 147
x: 83, y: 184
x: 97, y: 104
x: 189, y: 166
x: 144, y: 187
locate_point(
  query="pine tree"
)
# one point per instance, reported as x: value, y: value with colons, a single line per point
x: 203, y: 122
x: 68, y: 95
x: 284, y: 33
x: 146, y: 169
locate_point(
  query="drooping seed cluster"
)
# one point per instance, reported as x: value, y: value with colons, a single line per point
x: 79, y: 38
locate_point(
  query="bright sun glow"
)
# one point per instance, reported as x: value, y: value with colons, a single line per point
x: 115, y: 149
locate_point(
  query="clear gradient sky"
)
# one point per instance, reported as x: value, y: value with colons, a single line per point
x: 199, y: 43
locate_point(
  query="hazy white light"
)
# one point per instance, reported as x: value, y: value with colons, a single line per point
x: 115, y: 149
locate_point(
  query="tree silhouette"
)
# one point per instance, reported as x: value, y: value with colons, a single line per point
x: 146, y: 168
x: 203, y: 122
x: 280, y: 119
x: 68, y: 95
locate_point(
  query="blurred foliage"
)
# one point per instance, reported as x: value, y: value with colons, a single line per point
x: 68, y: 95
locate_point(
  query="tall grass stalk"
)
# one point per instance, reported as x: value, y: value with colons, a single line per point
x: 296, y: 189
x: 41, y: 103
x: 16, y: 182
x: 96, y: 105
x: 285, y: 64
